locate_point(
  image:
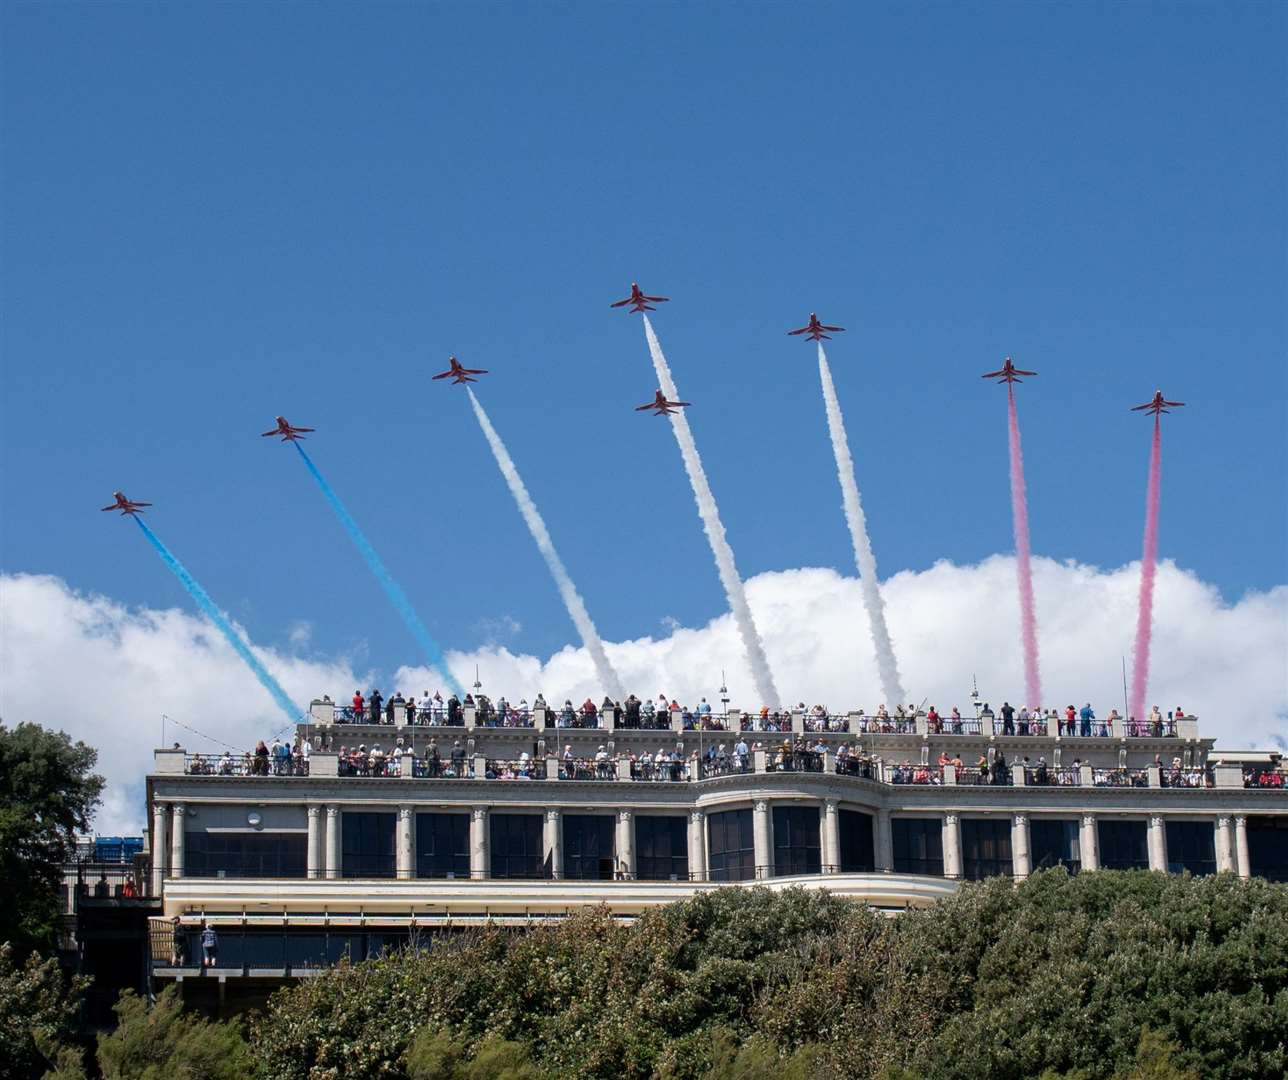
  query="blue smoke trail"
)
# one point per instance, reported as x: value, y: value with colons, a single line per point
x: 392, y: 589
x: 293, y: 712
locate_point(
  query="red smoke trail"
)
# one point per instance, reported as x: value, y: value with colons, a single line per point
x: 1023, y: 559
x: 1148, y: 564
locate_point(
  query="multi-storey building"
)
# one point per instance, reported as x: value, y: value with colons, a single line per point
x: 298, y: 864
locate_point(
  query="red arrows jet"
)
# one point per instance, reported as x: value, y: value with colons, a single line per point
x: 816, y: 331
x: 459, y: 374
x: 126, y: 506
x: 638, y: 301
x: 287, y: 431
x: 661, y: 406
x: 1009, y: 373
x: 1158, y: 405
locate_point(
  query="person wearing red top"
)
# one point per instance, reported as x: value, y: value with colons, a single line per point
x: 1069, y: 716
x: 359, y: 706
x: 932, y: 721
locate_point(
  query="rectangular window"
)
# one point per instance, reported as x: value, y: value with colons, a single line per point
x: 1123, y: 845
x: 856, y: 842
x: 732, y: 845
x: 367, y: 843
x: 442, y: 845
x: 1268, y: 847
x: 1191, y: 845
x: 277, y: 855
x: 918, y: 846
x: 661, y: 848
x: 1054, y: 842
x: 796, y: 840
x: 588, y: 847
x: 986, y: 848
x: 518, y: 846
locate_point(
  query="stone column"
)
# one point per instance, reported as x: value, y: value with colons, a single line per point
x: 176, y: 840
x: 333, y: 848
x: 762, y: 826
x: 406, y: 862
x: 697, y: 845
x: 1089, y: 843
x: 478, y: 842
x: 1242, y: 859
x: 1157, y: 843
x: 554, y: 843
x: 1021, y: 860
x: 625, y: 854
x: 885, y: 842
x: 831, y: 838
x: 160, y: 847
x: 313, y: 854
x: 1224, y: 844
x: 952, y: 846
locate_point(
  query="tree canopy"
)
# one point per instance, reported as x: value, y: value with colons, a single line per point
x: 48, y: 792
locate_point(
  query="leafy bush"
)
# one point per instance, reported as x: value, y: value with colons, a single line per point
x: 38, y: 1010
x: 1058, y: 976
x: 166, y: 1043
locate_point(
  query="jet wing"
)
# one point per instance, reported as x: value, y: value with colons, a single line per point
x: 622, y: 303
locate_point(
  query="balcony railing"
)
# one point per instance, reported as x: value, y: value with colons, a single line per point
x: 1048, y: 776
x: 887, y: 725
x: 647, y: 722
x: 649, y: 769
x: 1174, y: 776
x: 514, y: 769
x: 794, y: 761
x: 576, y: 720
x: 1150, y: 729
x: 731, y: 765
x: 916, y: 774
x: 827, y: 722
x: 850, y: 765
x: 587, y: 769
x: 243, y: 765
x: 1264, y: 777
x: 1120, y: 777
x: 949, y: 725
x: 1031, y: 726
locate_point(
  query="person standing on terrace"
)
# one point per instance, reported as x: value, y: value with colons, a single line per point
x: 374, y: 701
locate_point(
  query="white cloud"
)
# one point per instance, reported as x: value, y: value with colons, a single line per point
x: 105, y: 673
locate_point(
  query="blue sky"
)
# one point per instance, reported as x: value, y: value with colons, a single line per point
x: 217, y: 213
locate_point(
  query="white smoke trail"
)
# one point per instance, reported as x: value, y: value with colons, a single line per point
x: 728, y: 570
x: 567, y: 590
x: 865, y: 560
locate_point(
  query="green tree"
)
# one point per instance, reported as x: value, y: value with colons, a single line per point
x: 166, y: 1043
x: 38, y: 1010
x: 47, y: 793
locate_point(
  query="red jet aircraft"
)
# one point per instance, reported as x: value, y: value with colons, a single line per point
x: 1158, y: 405
x: 288, y: 432
x: 459, y: 374
x: 1009, y: 373
x: 816, y: 330
x: 638, y: 301
x: 126, y: 506
x: 661, y: 406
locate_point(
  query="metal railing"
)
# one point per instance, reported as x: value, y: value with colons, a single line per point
x: 794, y: 760
x: 729, y: 765
x: 887, y: 725
x: 1119, y: 777
x: 587, y: 768
x: 916, y: 774
x: 851, y: 765
x: 1150, y: 729
x: 647, y: 722
x: 649, y: 769
x: 515, y: 769
x: 244, y: 765
x: 1177, y: 776
x: 1264, y: 776
x: 576, y: 720
x: 1031, y: 726
x: 950, y: 725
x: 1051, y: 776
x: 828, y: 722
